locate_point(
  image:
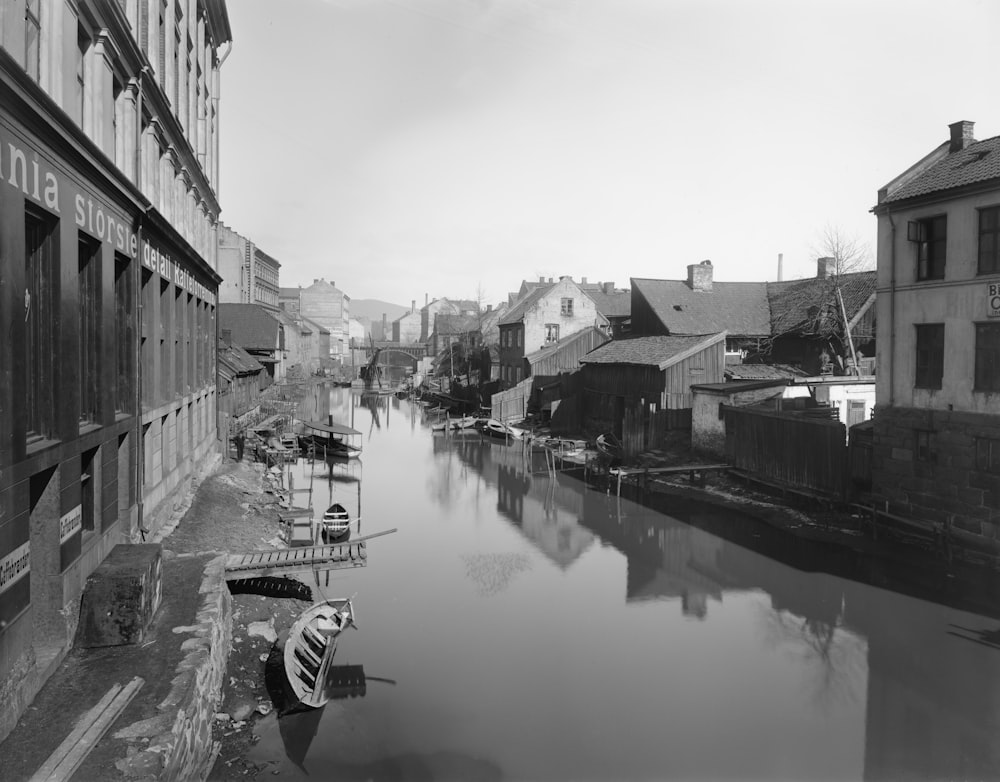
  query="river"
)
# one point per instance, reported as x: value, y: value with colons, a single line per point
x: 522, y: 626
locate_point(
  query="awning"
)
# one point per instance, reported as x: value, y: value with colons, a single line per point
x: 332, y: 428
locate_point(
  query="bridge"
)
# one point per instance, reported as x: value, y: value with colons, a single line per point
x: 412, y: 350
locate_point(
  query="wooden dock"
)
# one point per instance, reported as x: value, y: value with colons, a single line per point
x: 300, y: 560
x: 696, y: 472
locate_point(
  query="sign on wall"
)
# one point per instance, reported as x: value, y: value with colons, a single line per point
x: 993, y: 300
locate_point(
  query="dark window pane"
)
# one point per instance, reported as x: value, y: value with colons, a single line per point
x: 929, y: 355
x: 987, y: 357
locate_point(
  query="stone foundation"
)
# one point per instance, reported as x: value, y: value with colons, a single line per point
x: 949, y: 485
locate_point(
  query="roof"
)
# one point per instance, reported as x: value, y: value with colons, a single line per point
x: 741, y: 308
x: 737, y: 386
x: 591, y: 332
x: 978, y: 162
x: 331, y: 426
x: 617, y: 304
x: 658, y: 351
x: 237, y: 360
x: 810, y: 306
x: 516, y: 313
x: 753, y: 372
x: 251, y: 325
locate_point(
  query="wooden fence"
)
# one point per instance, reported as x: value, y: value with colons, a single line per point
x: 798, y: 452
x: 512, y: 404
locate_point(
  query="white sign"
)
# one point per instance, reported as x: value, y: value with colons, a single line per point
x: 70, y: 524
x: 15, y: 565
x: 993, y: 300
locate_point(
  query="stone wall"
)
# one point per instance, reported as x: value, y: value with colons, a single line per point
x: 940, y: 470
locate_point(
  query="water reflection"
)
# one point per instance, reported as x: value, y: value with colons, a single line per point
x: 723, y: 649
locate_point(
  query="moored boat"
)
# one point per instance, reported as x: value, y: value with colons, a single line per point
x: 310, y: 647
x: 609, y: 445
x: 329, y: 438
x: 499, y: 429
x: 336, y: 522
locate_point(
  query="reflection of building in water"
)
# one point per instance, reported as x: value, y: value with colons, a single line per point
x: 933, y: 689
x: 546, y: 512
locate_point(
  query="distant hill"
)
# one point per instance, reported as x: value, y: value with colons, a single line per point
x: 372, y: 309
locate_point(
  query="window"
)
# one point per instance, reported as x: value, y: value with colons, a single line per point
x: 517, y: 338
x: 32, y: 35
x: 989, y: 240
x: 88, y: 489
x: 123, y: 335
x: 930, y: 355
x: 931, y: 235
x: 82, y: 47
x: 551, y: 332
x: 987, y: 357
x: 89, y: 328
x: 988, y: 455
x: 40, y: 254
x: 566, y: 307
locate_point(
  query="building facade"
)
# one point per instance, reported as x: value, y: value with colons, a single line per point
x: 542, y: 316
x: 108, y: 215
x: 324, y: 303
x: 249, y: 275
x: 936, y: 457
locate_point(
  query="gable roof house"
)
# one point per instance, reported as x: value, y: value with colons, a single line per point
x: 700, y: 305
x: 546, y: 313
x: 240, y: 380
x: 640, y: 387
x: 258, y: 332
x: 613, y: 303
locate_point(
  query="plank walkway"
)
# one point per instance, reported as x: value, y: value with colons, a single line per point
x: 302, y: 559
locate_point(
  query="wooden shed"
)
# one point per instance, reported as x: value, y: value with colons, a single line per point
x: 639, y: 388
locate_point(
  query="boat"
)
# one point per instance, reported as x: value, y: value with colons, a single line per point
x: 336, y: 522
x: 609, y: 445
x: 454, y: 424
x: 310, y: 647
x: 499, y: 429
x: 329, y: 438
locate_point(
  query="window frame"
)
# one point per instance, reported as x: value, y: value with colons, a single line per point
x: 566, y: 306
x: 928, y: 361
x: 41, y: 297
x: 33, y: 51
x: 89, y: 329
x: 928, y: 242
x: 984, y: 354
x: 994, y: 234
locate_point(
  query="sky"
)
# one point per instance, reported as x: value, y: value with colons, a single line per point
x: 408, y: 150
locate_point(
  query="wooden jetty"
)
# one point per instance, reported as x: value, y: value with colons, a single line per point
x: 696, y: 472
x: 304, y: 559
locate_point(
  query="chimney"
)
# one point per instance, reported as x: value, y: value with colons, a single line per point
x: 550, y: 279
x: 700, y: 276
x: 427, y: 299
x: 489, y: 308
x: 413, y: 305
x: 565, y: 277
x: 227, y: 336
x: 583, y: 280
x: 825, y: 267
x: 385, y: 325
x: 609, y: 287
x: 781, y: 259
x: 961, y: 135
x: 541, y: 279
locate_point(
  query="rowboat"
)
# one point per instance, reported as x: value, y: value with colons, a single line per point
x: 336, y: 522
x: 609, y: 445
x: 329, y: 438
x: 311, y: 644
x: 495, y: 428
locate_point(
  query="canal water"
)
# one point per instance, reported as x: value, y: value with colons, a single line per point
x: 522, y: 626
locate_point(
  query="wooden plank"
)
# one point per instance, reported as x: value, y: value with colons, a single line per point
x: 70, y: 754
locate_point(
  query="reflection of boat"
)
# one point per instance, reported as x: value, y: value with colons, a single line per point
x: 309, y: 649
x: 454, y: 424
x: 336, y: 522
x: 329, y: 438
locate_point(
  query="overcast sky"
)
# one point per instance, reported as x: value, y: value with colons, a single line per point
x: 406, y: 149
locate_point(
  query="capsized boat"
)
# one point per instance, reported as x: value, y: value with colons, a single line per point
x: 311, y: 644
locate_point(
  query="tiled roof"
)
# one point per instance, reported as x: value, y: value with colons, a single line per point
x: 659, y: 351
x: 237, y: 360
x: 978, y: 162
x: 522, y: 305
x: 810, y: 306
x: 738, y: 372
x: 740, y: 308
x: 250, y: 324
x: 591, y: 332
x: 617, y: 304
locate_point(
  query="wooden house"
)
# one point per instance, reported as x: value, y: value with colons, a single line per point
x: 640, y: 387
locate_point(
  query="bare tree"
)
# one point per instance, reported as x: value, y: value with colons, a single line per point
x: 849, y: 253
